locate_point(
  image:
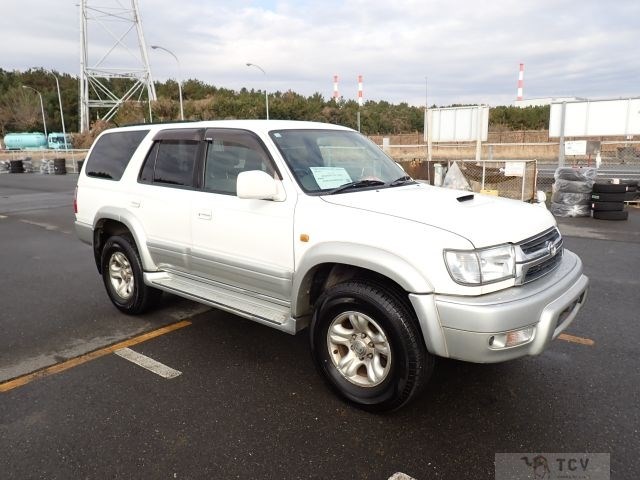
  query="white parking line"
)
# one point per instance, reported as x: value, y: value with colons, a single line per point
x: 148, y: 363
x: 400, y: 476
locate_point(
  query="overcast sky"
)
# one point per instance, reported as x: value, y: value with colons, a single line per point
x: 469, y: 49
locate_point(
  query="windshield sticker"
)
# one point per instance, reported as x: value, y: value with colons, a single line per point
x: 330, y: 177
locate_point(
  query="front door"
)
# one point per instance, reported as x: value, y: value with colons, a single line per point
x: 243, y: 244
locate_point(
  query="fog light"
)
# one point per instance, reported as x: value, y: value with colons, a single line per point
x: 511, y: 339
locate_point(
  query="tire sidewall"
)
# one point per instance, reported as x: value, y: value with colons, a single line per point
x: 380, y: 396
x: 120, y: 244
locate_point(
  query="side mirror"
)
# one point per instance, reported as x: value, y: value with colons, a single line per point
x: 257, y: 185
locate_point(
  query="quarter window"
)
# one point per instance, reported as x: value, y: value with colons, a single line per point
x: 112, y: 152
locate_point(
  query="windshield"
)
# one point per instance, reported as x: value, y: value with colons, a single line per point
x: 336, y: 161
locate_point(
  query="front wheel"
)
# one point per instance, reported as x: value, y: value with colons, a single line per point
x: 123, y: 276
x: 366, y: 343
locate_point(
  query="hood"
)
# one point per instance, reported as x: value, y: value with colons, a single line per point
x: 484, y: 221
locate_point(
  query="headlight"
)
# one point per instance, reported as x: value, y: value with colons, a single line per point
x: 478, y: 267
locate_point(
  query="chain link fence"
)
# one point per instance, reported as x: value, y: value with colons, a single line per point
x: 617, y: 158
x: 510, y: 179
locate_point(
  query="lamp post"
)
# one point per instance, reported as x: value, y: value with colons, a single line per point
x: 44, y: 122
x: 64, y: 131
x: 266, y: 95
x: 158, y: 47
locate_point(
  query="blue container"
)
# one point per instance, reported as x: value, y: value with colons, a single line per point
x: 25, y: 141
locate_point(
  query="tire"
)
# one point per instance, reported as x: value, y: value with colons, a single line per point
x: 621, y: 215
x: 123, y: 276
x: 607, y: 206
x: 609, y: 188
x: 59, y: 166
x: 375, y: 357
x: 630, y: 196
x: 16, y: 166
x: 608, y: 197
x: 631, y: 184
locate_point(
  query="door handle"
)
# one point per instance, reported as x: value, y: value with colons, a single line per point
x: 204, y: 215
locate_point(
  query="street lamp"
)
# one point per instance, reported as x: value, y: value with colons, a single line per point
x: 158, y: 47
x: 64, y: 131
x: 266, y: 95
x: 44, y: 122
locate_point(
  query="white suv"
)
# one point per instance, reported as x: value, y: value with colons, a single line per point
x: 296, y: 224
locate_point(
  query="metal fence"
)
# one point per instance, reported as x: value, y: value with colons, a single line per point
x: 618, y: 158
x: 612, y: 153
x: 515, y: 179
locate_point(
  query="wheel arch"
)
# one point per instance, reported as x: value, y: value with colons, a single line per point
x: 331, y: 263
x: 114, y: 221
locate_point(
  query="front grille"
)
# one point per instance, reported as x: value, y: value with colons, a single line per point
x: 539, y: 243
x: 539, y: 255
x: 536, y: 271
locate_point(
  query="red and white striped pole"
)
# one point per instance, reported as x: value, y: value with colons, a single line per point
x: 520, y: 81
x: 360, y: 90
x: 336, y: 95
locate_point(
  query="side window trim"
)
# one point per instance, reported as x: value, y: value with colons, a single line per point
x: 209, y: 135
x: 152, y: 158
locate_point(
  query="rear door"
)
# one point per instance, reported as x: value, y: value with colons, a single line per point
x: 167, y: 183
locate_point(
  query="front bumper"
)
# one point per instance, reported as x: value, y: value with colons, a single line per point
x: 463, y: 327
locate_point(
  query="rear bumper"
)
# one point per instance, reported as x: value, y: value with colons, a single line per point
x: 84, y: 232
x: 467, y: 327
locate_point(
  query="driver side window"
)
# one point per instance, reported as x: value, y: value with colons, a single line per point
x: 230, y: 152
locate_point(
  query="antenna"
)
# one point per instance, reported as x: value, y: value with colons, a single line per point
x: 118, y: 51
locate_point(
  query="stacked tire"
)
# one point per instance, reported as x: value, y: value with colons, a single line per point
x: 633, y: 190
x: 16, y: 166
x: 571, y: 195
x: 607, y: 200
x: 59, y: 166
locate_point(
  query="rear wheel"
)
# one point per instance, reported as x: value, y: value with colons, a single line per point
x: 123, y: 276
x: 366, y: 343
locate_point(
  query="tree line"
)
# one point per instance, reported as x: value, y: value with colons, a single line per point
x: 20, y: 107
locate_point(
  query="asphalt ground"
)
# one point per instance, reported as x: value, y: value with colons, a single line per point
x: 248, y: 402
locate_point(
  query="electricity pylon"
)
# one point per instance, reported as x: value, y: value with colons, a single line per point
x: 117, y: 50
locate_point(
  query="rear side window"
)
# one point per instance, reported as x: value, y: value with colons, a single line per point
x: 172, y: 163
x: 112, y: 152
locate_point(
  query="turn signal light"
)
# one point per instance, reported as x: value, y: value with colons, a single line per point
x: 511, y: 339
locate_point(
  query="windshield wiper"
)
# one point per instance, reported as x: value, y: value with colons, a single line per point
x: 401, y: 181
x: 356, y: 184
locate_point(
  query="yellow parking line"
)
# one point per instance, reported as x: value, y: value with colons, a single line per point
x: 74, y: 362
x: 582, y: 341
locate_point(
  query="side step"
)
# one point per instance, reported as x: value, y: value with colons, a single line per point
x: 239, y: 303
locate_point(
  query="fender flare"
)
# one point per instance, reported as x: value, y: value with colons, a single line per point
x: 135, y: 227
x: 370, y: 258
